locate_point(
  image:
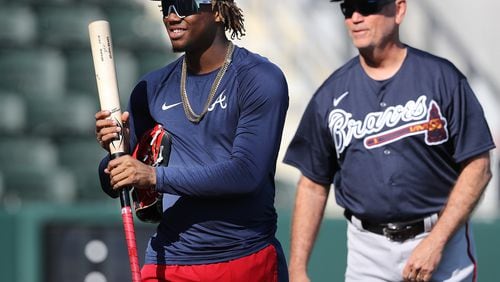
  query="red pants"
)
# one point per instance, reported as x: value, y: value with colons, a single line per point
x: 261, y: 266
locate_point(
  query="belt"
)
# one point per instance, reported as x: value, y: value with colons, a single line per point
x: 395, y: 231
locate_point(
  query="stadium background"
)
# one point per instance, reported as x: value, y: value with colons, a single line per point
x: 56, y: 225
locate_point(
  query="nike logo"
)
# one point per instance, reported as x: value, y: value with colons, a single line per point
x: 336, y: 101
x: 166, y: 107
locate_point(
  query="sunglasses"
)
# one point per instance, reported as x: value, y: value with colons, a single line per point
x: 182, y: 8
x: 364, y: 7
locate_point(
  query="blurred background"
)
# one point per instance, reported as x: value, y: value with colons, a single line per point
x: 56, y: 224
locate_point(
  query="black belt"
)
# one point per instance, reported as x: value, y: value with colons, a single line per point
x: 396, y: 231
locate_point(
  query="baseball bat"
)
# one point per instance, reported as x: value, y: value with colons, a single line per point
x: 107, y: 86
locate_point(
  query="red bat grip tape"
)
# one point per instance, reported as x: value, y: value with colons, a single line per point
x: 128, y: 225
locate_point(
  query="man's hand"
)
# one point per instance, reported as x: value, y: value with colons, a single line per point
x: 298, y: 276
x: 106, y: 129
x: 463, y: 199
x: 423, y: 261
x: 126, y: 171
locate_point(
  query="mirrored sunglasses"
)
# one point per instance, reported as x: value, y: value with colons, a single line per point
x: 182, y: 8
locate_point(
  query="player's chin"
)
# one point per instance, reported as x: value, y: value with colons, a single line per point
x: 177, y: 49
x: 178, y: 46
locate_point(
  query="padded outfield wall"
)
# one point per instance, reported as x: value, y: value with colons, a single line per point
x: 46, y: 243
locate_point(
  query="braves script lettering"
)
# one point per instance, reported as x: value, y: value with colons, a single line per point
x: 344, y: 128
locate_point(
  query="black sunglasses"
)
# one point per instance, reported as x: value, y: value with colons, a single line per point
x: 364, y: 7
x: 182, y: 8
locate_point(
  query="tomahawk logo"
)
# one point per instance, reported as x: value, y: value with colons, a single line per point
x: 221, y: 100
x: 418, y: 118
x: 434, y: 128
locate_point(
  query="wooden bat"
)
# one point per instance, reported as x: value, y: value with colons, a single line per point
x: 105, y: 73
x: 107, y: 86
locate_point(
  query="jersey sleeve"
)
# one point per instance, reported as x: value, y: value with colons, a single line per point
x: 312, y: 150
x: 469, y: 130
x: 263, y: 102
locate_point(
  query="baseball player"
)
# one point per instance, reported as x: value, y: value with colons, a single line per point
x: 402, y: 137
x: 218, y: 102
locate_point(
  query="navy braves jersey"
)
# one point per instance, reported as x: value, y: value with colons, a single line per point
x: 393, y: 149
x: 219, y: 185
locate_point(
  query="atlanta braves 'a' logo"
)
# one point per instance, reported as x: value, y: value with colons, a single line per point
x: 221, y: 101
x: 418, y: 118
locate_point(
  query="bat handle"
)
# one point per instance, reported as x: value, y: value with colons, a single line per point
x: 124, y: 193
x: 128, y: 225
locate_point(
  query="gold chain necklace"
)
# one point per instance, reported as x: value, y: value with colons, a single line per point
x: 190, y: 114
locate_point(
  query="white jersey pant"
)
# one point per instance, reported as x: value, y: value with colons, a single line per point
x: 372, y: 257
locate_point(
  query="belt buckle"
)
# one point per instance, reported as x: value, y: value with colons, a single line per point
x: 397, y: 232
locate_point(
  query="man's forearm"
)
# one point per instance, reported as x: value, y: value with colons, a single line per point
x: 464, y: 197
x: 308, y: 213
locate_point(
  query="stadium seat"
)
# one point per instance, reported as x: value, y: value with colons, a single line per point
x: 12, y: 114
x: 27, y: 151
x: 39, y: 184
x: 82, y: 157
x: 2, y: 185
x: 44, y: 2
x: 31, y: 172
x: 66, y: 26
x: 80, y: 71
x: 81, y: 74
x: 148, y: 61
x: 71, y: 115
x: 18, y: 25
x: 114, y: 3
x: 32, y: 72
x: 134, y: 29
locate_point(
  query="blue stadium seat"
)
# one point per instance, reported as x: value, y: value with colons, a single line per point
x: 32, y: 72
x: 18, y: 25
x: 66, y: 26
x: 12, y: 114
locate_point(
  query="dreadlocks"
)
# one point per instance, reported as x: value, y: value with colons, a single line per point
x: 231, y: 15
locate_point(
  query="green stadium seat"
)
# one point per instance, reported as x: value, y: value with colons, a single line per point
x: 27, y: 151
x: 18, y: 25
x: 39, y: 184
x: 33, y: 72
x: 134, y: 29
x: 152, y: 60
x: 81, y: 73
x: 114, y: 3
x: 71, y: 115
x: 80, y: 152
x: 82, y: 157
x: 44, y: 2
x: 66, y: 26
x: 12, y: 114
x: 31, y: 173
x: 2, y: 185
